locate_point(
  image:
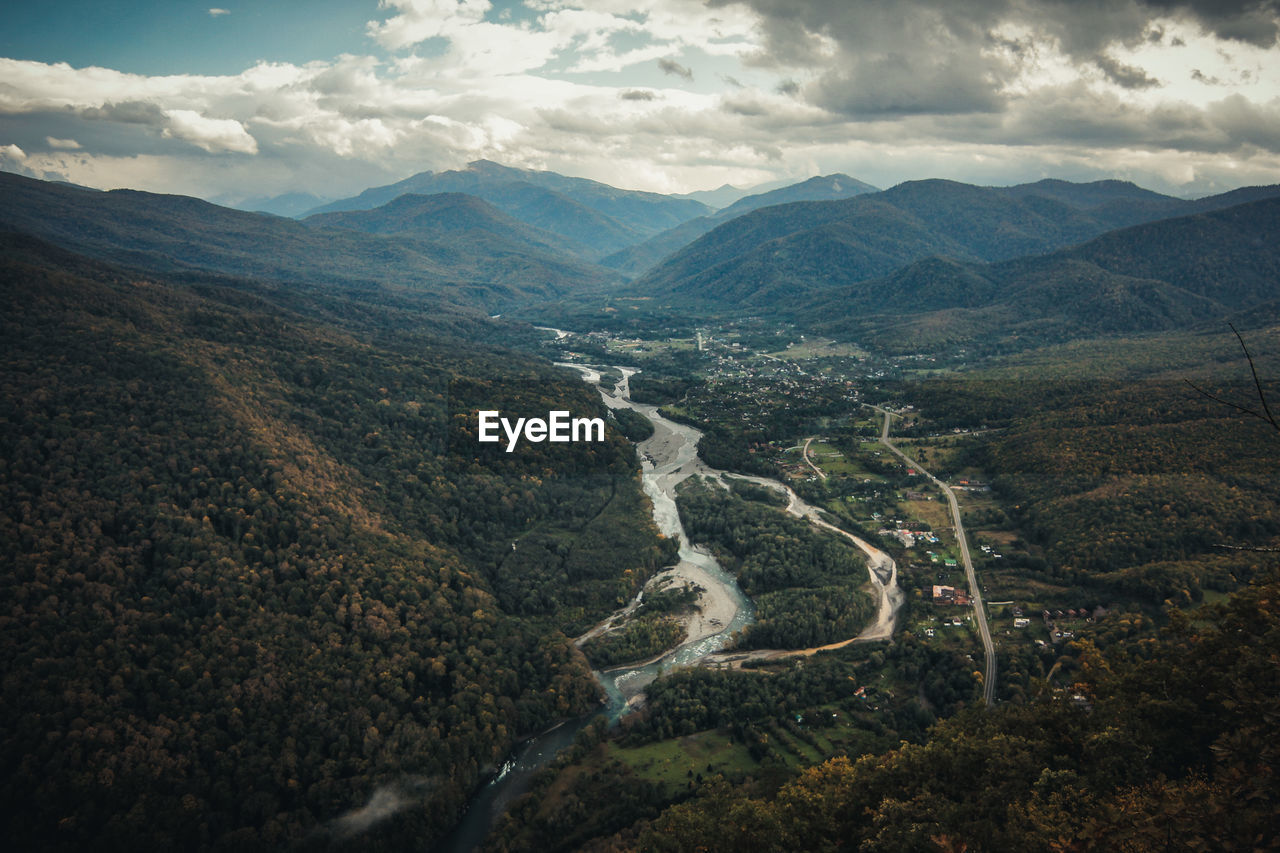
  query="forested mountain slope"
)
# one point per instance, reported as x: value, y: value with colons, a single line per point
x: 593, y: 218
x: 259, y: 568
x: 1169, y: 745
x: 637, y: 259
x: 177, y: 233
x: 773, y: 256
x: 1173, y: 274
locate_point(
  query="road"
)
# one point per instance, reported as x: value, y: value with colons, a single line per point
x: 805, y: 454
x: 975, y: 591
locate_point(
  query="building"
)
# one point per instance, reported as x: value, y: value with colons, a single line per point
x: 950, y: 595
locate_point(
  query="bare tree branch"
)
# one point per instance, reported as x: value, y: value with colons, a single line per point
x: 1247, y: 548
x: 1265, y: 414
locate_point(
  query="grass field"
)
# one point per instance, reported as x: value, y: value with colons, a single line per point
x: 830, y: 730
x: 819, y: 348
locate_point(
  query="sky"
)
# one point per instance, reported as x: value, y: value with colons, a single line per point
x: 248, y: 100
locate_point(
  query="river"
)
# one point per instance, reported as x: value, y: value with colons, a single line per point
x: 667, y: 458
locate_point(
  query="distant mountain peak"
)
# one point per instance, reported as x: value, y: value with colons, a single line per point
x: 493, y: 168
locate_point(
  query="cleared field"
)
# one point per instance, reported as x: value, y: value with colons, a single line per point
x: 934, y: 513
x: 819, y: 348
x: 645, y: 348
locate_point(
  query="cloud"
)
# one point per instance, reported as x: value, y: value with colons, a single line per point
x: 1125, y: 76
x: 1255, y: 22
x: 126, y: 112
x: 215, y: 135
x: 878, y: 89
x: 906, y: 57
x: 62, y: 144
x: 670, y: 66
x: 216, y: 13
x: 12, y: 153
x: 416, y: 21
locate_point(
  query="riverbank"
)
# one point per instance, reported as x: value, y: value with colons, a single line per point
x: 669, y: 457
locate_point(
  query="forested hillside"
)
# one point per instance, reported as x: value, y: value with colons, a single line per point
x: 1169, y: 746
x: 1140, y: 489
x: 639, y: 258
x: 593, y: 218
x: 1174, y: 274
x: 259, y: 568
x: 807, y: 585
x: 474, y: 270
x: 814, y: 251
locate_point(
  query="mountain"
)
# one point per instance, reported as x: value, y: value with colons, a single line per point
x: 454, y: 214
x: 176, y: 233
x: 1088, y: 195
x: 1172, y: 274
x: 257, y: 568
x: 288, y: 204
x: 819, y: 188
x: 594, y: 218
x: 727, y: 194
x: 470, y: 230
x: 790, y: 252
x: 636, y: 259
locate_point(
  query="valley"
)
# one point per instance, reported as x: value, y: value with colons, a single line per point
x: 877, y: 484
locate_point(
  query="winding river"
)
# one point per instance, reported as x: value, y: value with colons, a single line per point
x: 667, y: 458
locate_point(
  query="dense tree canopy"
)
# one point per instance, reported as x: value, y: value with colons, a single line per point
x: 259, y: 566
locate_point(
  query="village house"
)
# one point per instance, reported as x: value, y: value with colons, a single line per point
x: 949, y: 595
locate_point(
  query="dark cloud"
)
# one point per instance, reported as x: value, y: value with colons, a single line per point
x: 879, y: 57
x: 1077, y: 116
x: 670, y: 66
x: 637, y: 95
x: 1125, y: 76
x: 1254, y: 21
x: 788, y: 87
x: 1247, y: 123
x: 126, y: 112
x: 33, y: 130
x: 918, y: 57
x: 1197, y: 74
x: 901, y: 85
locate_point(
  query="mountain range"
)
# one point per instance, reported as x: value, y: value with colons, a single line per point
x: 263, y: 585
x: 929, y: 262
x: 491, y: 263
x: 594, y: 219
x: 1172, y: 274
x: 785, y: 252
x: 636, y: 259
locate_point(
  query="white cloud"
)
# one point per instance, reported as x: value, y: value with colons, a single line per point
x: 217, y: 13
x: 215, y: 135
x: 63, y: 144
x: 416, y: 21
x: 863, y: 88
x: 12, y: 153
